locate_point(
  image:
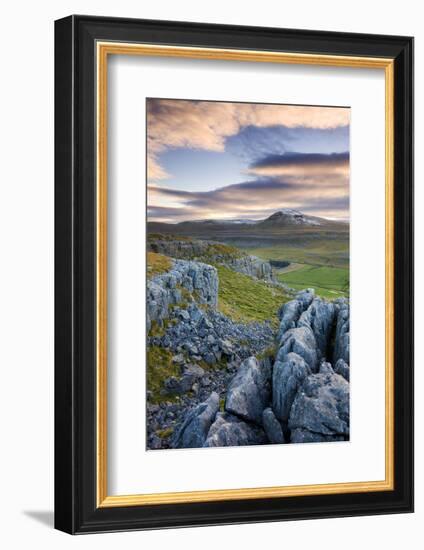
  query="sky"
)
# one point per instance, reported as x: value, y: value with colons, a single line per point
x: 218, y: 160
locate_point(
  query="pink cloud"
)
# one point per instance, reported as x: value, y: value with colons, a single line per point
x: 206, y: 124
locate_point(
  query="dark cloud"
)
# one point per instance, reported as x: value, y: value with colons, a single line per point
x: 302, y: 159
x: 254, y: 143
x: 250, y: 199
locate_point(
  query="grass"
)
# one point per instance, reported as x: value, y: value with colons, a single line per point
x: 157, y: 264
x: 324, y: 252
x: 328, y: 282
x: 166, y: 237
x: 165, y: 433
x: 159, y: 368
x: 246, y: 300
x: 224, y: 250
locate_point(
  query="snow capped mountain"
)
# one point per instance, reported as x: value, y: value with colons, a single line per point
x: 288, y: 216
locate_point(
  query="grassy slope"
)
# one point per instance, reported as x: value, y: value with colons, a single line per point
x: 244, y: 299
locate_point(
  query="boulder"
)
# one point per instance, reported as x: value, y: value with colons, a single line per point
x: 193, y: 370
x: 305, y: 297
x: 289, y: 314
x: 183, y: 314
x: 272, y: 427
x: 193, y: 431
x: 249, y: 391
x: 178, y: 386
x: 195, y: 313
x: 300, y: 340
x: 287, y: 377
x: 157, y: 303
x: 319, y: 317
x: 230, y: 431
x: 342, y: 368
x: 321, y: 406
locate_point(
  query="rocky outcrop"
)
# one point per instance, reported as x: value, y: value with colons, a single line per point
x: 165, y: 290
x: 249, y: 391
x: 215, y: 253
x: 321, y: 408
x: 185, y: 249
x: 310, y: 379
x: 230, y: 431
x: 300, y: 340
x: 291, y: 311
x: 319, y: 317
x: 342, y: 340
x: 195, y: 428
x: 251, y: 266
x: 287, y: 378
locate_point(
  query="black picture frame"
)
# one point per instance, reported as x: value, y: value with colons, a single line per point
x: 76, y: 508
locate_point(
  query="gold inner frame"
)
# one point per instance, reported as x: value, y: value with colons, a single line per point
x: 103, y: 50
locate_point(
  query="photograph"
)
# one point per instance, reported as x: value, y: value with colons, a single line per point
x: 247, y: 274
x: 228, y: 198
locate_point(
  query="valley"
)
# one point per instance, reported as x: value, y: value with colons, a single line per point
x: 316, y: 249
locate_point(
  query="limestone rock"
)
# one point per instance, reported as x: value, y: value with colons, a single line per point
x: 319, y: 317
x: 321, y: 406
x: 249, y: 391
x: 300, y: 340
x: 272, y: 427
x: 287, y: 378
x: 230, y: 431
x: 343, y: 369
x: 194, y: 430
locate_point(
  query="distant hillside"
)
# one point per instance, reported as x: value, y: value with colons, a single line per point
x: 284, y: 227
x: 285, y: 218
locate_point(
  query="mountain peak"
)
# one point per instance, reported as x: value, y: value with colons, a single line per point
x: 289, y: 216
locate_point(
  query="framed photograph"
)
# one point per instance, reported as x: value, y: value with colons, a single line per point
x: 234, y: 274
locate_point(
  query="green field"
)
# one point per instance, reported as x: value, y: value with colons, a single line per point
x: 328, y: 282
x: 323, y: 252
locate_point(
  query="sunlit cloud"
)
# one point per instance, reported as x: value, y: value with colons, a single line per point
x: 207, y: 125
x: 254, y: 199
x: 300, y: 165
